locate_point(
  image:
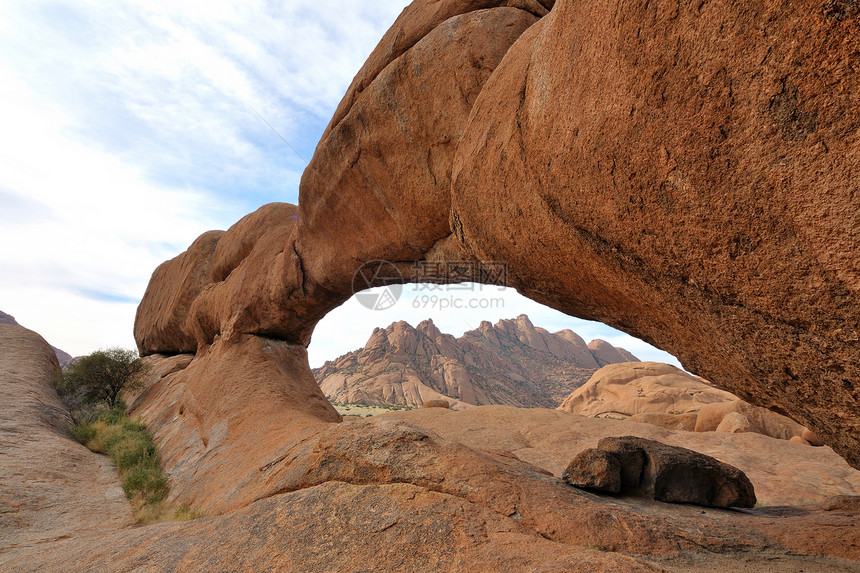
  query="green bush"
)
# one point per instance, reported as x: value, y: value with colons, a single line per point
x: 99, y: 379
x: 104, y: 434
x: 146, y: 482
x: 83, y: 432
x: 131, y: 448
x: 115, y: 415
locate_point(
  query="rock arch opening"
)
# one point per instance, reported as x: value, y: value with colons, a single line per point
x: 668, y: 208
x: 466, y: 343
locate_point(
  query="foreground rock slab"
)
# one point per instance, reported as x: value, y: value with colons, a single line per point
x: 331, y: 527
x: 386, y: 494
x: 783, y: 473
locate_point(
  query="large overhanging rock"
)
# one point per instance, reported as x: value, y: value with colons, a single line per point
x: 683, y: 173
x: 687, y: 173
x: 378, y: 187
x: 245, y: 302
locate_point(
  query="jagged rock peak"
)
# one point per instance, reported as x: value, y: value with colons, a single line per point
x: 512, y: 363
x: 429, y: 329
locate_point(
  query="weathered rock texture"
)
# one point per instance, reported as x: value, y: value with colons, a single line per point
x: 222, y: 416
x: 510, y: 363
x: 685, y: 172
x: 660, y: 472
x: 666, y: 396
x: 332, y: 527
x: 681, y: 172
x: 50, y: 486
x: 215, y: 468
x: 595, y: 470
x: 783, y: 473
x: 386, y: 494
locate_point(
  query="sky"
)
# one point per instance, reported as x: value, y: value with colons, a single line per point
x: 131, y: 127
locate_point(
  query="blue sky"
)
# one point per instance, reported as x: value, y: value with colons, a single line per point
x: 131, y: 127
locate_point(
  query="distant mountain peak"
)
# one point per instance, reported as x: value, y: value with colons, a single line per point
x: 512, y: 362
x: 428, y: 328
x: 7, y: 319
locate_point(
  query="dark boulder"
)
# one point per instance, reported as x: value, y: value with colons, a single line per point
x: 661, y: 472
x: 595, y: 469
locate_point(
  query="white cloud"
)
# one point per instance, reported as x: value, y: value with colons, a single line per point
x: 170, y: 86
x: 76, y: 324
x: 87, y: 227
x: 128, y: 131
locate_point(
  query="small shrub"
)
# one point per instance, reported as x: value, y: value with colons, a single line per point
x: 132, y: 449
x: 83, y: 432
x: 99, y: 379
x: 135, y: 427
x: 105, y: 435
x: 115, y: 415
x: 186, y: 513
x: 146, y: 482
x: 151, y: 513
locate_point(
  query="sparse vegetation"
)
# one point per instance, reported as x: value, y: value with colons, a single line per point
x: 132, y: 449
x: 92, y: 390
x: 186, y: 513
x: 95, y: 383
x: 130, y: 446
x: 353, y: 369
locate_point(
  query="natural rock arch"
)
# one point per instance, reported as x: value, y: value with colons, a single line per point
x: 682, y: 173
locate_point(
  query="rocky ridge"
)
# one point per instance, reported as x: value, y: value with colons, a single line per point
x: 666, y: 396
x: 62, y: 356
x: 510, y: 363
